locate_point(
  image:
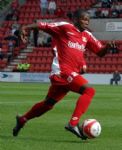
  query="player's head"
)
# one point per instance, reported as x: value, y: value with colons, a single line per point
x: 81, y: 19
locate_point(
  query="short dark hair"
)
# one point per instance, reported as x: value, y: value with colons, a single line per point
x: 79, y: 13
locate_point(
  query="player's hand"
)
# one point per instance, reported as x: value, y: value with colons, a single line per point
x: 24, y: 35
x: 23, y: 30
x: 84, y: 69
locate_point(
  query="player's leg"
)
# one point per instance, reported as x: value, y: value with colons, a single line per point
x: 80, y: 85
x: 55, y: 94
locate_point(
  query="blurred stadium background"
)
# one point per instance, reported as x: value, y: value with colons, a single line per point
x: 32, y: 63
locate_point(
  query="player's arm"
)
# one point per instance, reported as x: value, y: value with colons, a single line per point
x: 84, y: 67
x: 24, y: 31
x: 30, y: 26
x: 54, y: 29
x: 104, y: 50
x: 51, y: 28
x: 97, y: 47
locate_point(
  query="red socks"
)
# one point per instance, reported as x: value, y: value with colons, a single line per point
x: 36, y: 111
x: 82, y: 105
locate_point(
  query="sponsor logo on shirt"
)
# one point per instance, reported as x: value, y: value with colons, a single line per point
x: 76, y: 45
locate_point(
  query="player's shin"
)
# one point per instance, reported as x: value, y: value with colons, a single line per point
x: 82, y: 105
x: 38, y: 109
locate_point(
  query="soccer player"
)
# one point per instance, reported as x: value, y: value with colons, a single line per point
x: 70, y: 43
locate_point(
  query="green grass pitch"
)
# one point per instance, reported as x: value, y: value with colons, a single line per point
x: 47, y: 132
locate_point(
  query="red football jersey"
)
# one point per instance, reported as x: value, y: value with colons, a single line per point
x: 69, y: 46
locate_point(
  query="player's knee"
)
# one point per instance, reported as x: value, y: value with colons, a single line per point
x: 50, y: 102
x: 90, y: 91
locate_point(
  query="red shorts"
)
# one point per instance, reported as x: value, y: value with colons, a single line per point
x: 62, y: 85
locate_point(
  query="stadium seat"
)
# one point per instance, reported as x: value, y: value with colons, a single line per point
x: 43, y: 60
x: 3, y: 63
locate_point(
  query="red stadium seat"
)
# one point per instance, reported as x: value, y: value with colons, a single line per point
x: 43, y: 60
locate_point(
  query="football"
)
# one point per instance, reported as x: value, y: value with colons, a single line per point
x: 91, y: 128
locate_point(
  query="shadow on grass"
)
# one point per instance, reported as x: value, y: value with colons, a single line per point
x: 42, y: 139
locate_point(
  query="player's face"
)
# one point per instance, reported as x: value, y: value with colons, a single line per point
x: 84, y: 21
